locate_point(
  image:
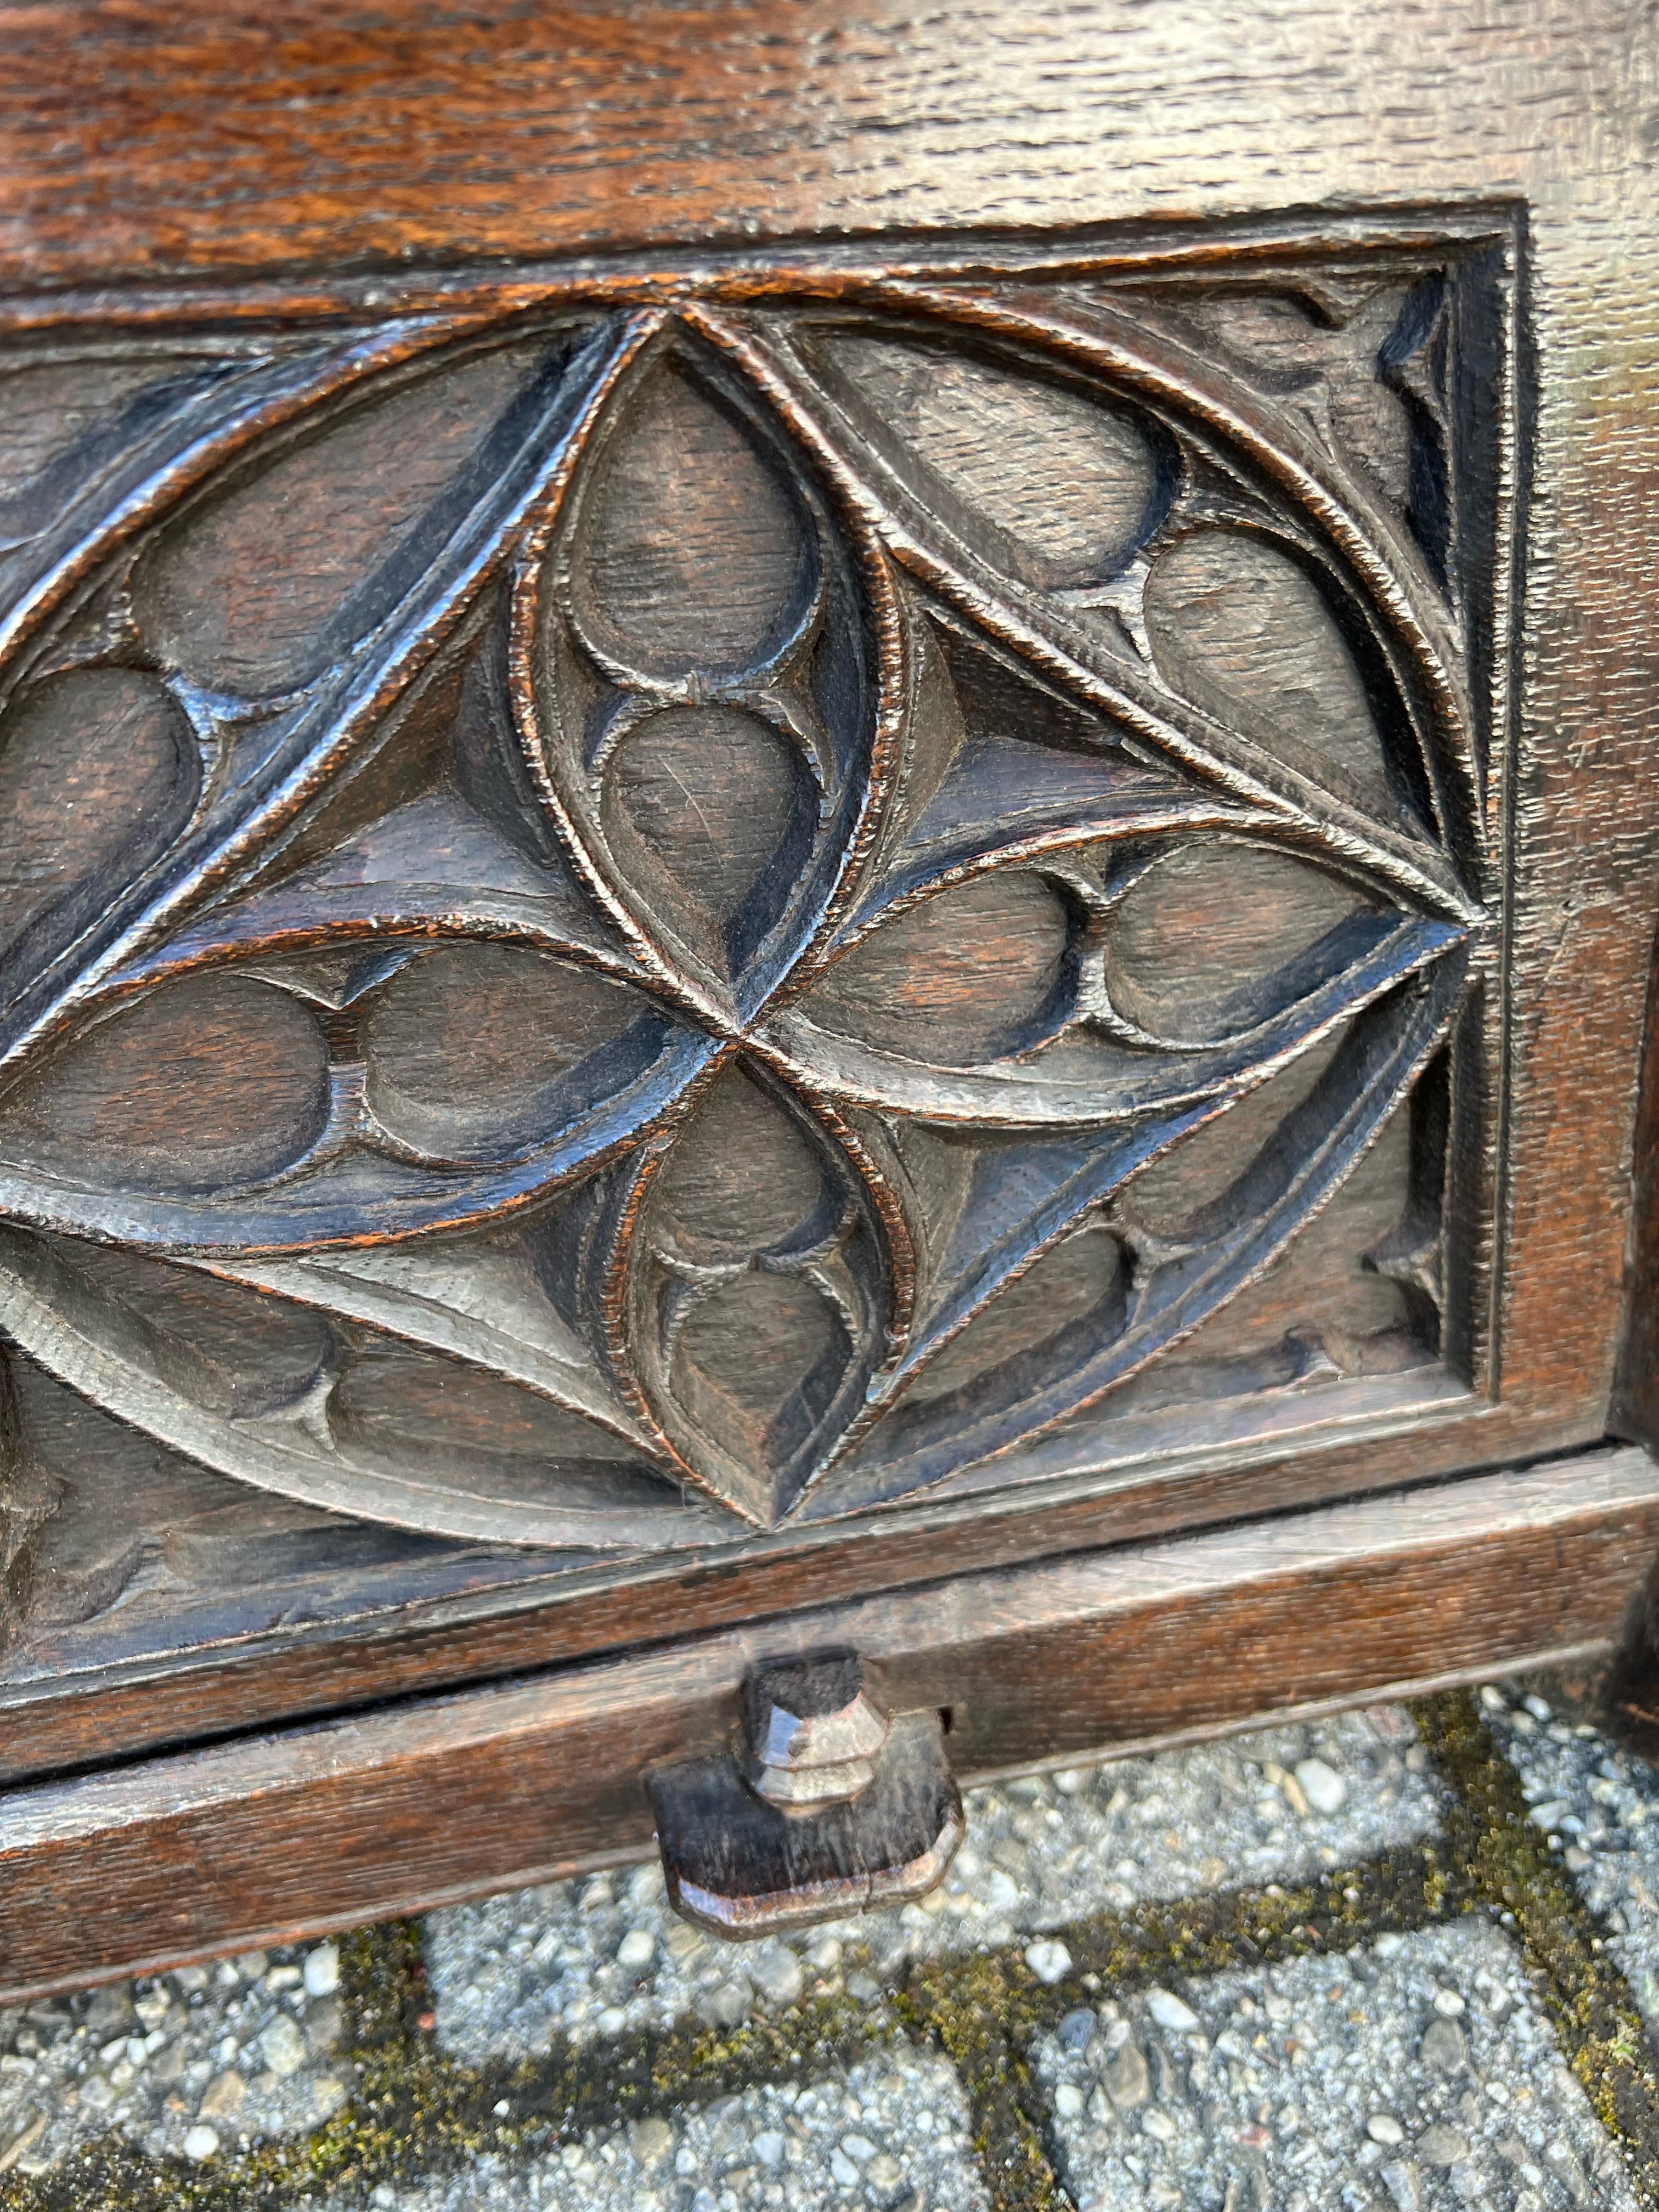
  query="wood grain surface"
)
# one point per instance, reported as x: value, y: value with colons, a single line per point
x: 386, y: 256
x: 781, y: 887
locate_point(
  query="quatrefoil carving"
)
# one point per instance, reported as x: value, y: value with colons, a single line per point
x: 618, y: 910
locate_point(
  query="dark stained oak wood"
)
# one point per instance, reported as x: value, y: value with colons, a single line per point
x: 684, y: 991
x: 216, y: 137
x: 1635, y: 1407
x: 800, y: 886
x: 83, y: 1692
x: 794, y: 801
x: 439, y: 1799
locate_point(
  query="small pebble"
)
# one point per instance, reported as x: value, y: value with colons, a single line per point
x: 1383, y: 2128
x: 726, y: 2005
x: 222, y: 2095
x: 284, y: 2046
x: 1167, y: 2009
x: 650, y: 2141
x: 1400, y: 2178
x: 1050, y: 1961
x: 1322, y: 1785
x: 328, y: 2093
x: 1442, y: 2047
x: 322, y: 1971
x: 637, y: 1949
x: 1126, y: 2080
x: 1441, y: 2146
x: 201, y: 2143
x: 777, y: 1973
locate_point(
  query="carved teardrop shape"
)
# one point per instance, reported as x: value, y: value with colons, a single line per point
x: 362, y: 503
x: 964, y: 977
x: 744, y: 1175
x: 692, y: 546
x: 754, y: 1291
x: 1084, y: 1279
x: 99, y: 772
x: 719, y: 810
x: 1218, y: 934
x: 228, y: 1349
x: 1070, y: 483
x: 757, y: 1365
x: 1243, y: 630
x: 477, y: 1050
x: 209, y: 1082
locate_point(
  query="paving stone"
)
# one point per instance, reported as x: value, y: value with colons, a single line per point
x: 248, y: 2048
x: 593, y: 1958
x: 890, y: 2133
x: 1412, y: 2074
x: 1601, y: 1803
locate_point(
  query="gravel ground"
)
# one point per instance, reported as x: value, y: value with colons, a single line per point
x: 890, y: 2134
x: 1600, y: 1806
x: 187, y: 2064
x: 1410, y: 2073
x: 1413, y: 2074
x: 595, y: 1957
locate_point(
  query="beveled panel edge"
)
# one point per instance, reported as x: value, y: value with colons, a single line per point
x: 756, y: 263
x: 58, y: 1723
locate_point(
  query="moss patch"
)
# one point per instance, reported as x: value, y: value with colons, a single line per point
x: 1505, y: 1865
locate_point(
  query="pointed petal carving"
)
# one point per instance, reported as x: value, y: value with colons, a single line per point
x: 706, y: 672
x: 1082, y: 1080
x: 757, y: 1294
x: 1177, y: 1281
x: 341, y: 1422
x: 1077, y: 653
x: 265, y: 1106
x: 1000, y: 770
x: 260, y: 772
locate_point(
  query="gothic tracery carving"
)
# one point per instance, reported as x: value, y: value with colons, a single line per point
x: 653, y: 917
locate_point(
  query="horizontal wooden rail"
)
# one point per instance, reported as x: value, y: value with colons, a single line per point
x: 287, y: 1834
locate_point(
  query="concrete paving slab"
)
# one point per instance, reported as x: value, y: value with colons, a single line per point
x: 1415, y: 2074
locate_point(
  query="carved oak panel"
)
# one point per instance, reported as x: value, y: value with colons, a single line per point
x: 644, y: 905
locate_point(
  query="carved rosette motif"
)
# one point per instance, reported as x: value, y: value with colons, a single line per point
x: 634, y: 918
